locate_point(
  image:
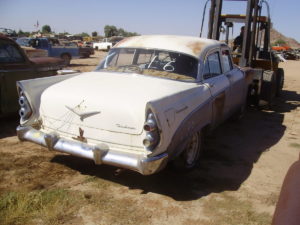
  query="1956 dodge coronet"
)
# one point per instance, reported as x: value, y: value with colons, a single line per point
x: 148, y: 103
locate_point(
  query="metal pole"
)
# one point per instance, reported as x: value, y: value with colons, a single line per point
x: 203, y: 18
x: 217, y: 20
x: 247, y: 35
x: 211, y: 18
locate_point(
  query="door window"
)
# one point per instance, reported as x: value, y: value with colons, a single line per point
x: 212, y: 66
x: 227, y: 64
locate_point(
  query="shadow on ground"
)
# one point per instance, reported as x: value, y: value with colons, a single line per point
x: 8, y: 125
x: 231, y: 151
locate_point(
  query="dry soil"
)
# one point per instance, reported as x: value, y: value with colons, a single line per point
x: 237, y: 182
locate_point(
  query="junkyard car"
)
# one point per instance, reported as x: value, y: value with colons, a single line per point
x: 14, y: 66
x: 147, y: 103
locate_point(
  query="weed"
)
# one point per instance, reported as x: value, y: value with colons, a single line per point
x: 230, y: 210
x: 49, y: 206
x: 295, y: 145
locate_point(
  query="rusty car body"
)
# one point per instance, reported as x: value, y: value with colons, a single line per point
x: 15, y: 66
x: 148, y: 103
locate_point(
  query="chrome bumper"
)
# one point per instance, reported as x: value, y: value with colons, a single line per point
x: 101, y: 154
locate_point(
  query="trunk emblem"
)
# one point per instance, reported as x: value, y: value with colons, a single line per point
x: 79, y: 111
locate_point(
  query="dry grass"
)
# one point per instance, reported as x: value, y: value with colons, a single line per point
x: 48, y: 207
x: 226, y: 209
x: 295, y: 145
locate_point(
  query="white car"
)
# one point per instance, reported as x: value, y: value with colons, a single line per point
x: 104, y: 45
x: 148, y: 103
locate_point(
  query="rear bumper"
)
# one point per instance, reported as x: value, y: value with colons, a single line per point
x: 101, y: 154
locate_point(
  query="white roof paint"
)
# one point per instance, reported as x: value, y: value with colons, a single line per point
x: 185, y: 44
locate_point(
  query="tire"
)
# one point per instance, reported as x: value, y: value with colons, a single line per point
x: 191, y: 154
x: 96, y: 48
x: 67, y: 58
x: 108, y: 48
x: 279, y: 81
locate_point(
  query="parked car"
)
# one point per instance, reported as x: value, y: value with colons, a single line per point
x: 14, y: 66
x: 105, y: 44
x: 54, y: 48
x: 148, y: 103
x: 33, y: 52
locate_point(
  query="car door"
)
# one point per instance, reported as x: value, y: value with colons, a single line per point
x: 14, y: 66
x: 236, y: 95
x: 218, y: 84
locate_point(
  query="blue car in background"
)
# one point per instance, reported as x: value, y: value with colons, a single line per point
x: 54, y: 48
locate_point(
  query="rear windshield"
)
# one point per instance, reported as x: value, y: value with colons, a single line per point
x: 9, y: 53
x: 161, y: 63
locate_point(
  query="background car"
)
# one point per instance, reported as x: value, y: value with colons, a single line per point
x: 15, y: 66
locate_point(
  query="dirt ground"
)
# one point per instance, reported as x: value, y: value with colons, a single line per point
x: 237, y: 182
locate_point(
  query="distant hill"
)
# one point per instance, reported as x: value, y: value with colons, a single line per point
x: 275, y: 36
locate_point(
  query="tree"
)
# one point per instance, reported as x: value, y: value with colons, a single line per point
x: 83, y: 34
x: 94, y: 34
x: 46, y: 29
x: 110, y: 31
x: 280, y: 42
x: 23, y: 34
x: 121, y: 32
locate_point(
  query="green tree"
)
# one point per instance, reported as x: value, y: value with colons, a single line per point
x: 83, y: 34
x: 94, y: 34
x: 46, y: 29
x: 110, y: 31
x: 280, y: 42
x: 122, y: 32
x: 23, y: 34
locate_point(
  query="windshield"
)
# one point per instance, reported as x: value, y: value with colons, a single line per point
x: 152, y: 62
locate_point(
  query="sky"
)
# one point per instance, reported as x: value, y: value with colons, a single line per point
x: 176, y: 17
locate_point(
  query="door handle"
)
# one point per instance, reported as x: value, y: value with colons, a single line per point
x: 228, y: 75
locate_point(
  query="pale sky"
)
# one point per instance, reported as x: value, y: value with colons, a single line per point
x: 141, y: 16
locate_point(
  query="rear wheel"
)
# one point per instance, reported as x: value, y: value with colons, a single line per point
x: 66, y: 58
x: 190, y: 156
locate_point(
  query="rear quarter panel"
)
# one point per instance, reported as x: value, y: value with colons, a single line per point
x: 180, y: 115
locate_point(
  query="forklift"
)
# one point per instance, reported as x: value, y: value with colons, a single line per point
x: 256, y: 58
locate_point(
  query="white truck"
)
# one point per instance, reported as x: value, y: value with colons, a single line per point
x: 105, y: 44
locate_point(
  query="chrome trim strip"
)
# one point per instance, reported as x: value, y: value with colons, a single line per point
x: 101, y: 154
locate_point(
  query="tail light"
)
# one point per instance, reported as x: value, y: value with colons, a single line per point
x: 25, y: 111
x: 152, y: 137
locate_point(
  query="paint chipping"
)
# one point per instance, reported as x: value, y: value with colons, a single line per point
x: 196, y: 47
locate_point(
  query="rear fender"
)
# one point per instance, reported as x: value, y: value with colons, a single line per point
x: 33, y: 90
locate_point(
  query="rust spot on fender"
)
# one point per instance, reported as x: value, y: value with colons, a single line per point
x: 219, y: 106
x: 195, y: 46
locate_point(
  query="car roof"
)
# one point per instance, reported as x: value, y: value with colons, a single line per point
x: 185, y: 44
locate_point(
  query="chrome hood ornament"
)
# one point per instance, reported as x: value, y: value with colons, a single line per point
x: 79, y: 111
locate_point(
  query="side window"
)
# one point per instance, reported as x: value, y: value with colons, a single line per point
x: 9, y: 53
x: 227, y: 64
x: 212, y: 66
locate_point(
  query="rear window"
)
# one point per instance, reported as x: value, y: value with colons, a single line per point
x: 153, y: 62
x: 9, y: 53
